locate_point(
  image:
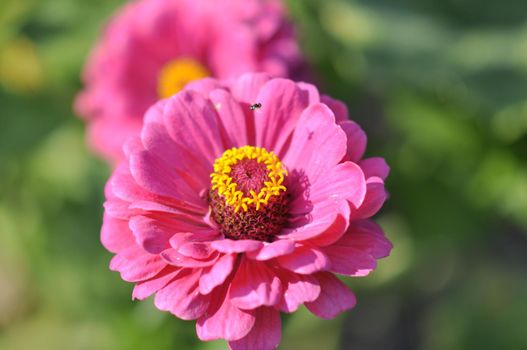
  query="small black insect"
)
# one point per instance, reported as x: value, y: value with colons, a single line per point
x: 256, y: 106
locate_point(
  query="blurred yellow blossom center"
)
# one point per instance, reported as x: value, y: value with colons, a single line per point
x: 177, y: 73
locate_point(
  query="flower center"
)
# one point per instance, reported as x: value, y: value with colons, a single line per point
x: 248, y: 196
x: 177, y: 73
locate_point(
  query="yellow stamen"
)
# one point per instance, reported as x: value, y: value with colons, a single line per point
x: 228, y: 188
x: 177, y: 73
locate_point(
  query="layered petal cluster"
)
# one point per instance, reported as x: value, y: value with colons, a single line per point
x: 147, y: 38
x: 158, y: 220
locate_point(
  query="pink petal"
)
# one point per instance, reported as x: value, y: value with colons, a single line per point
x: 192, y: 122
x: 173, y: 257
x: 217, y: 274
x: 356, y: 140
x: 338, y: 107
x: 160, y: 178
x: 264, y: 335
x: 350, y: 261
x: 346, y: 180
x: 151, y: 234
x: 368, y: 236
x: 298, y: 289
x: 332, y: 233
x: 254, y: 285
x: 247, y: 87
x: 133, y: 143
x: 318, y: 143
x: 375, y: 166
x: 272, y: 250
x: 204, y: 86
x: 181, y: 297
x: 376, y: 195
x: 135, y: 264
x: 312, y: 92
x: 146, y: 207
x: 305, y: 260
x: 182, y: 238
x: 239, y: 41
x: 106, y: 137
x: 356, y: 252
x: 143, y: 290
x: 115, y: 234
x: 282, y: 103
x: 181, y: 161
x: 334, y: 297
x: 223, y: 320
x: 232, y: 117
x: 327, y: 218
x: 154, y: 234
x: 196, y: 250
x: 114, y: 206
x: 230, y: 246
x: 123, y: 186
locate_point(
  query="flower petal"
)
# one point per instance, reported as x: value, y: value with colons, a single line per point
x: 196, y: 250
x: 368, y: 235
x: 332, y: 233
x: 298, y: 289
x: 151, y: 234
x: 375, y: 197
x: 114, y: 206
x: 282, y: 104
x: 223, y: 320
x: 160, y: 178
x: 272, y: 250
x: 217, y: 274
x: 346, y: 180
x: 264, y: 335
x: 375, y: 166
x: 192, y: 123
x: 254, y: 285
x: 318, y: 143
x: 350, y: 261
x: 181, y: 297
x: 334, y: 297
x: 175, y: 258
x: 162, y: 149
x: 135, y: 264
x: 312, y: 92
x: 123, y: 186
x: 144, y: 289
x: 327, y: 218
x: 247, y: 88
x: 338, y: 107
x: 356, y: 140
x: 115, y: 234
x: 154, y: 234
x: 231, y: 246
x: 204, y: 86
x: 305, y: 260
x: 356, y: 253
x: 232, y: 117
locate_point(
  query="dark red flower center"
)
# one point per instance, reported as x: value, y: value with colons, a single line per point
x: 248, y: 199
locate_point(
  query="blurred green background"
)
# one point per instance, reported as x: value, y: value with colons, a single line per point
x: 439, y: 86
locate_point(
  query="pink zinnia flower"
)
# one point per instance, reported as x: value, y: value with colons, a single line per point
x: 153, y: 48
x: 231, y: 214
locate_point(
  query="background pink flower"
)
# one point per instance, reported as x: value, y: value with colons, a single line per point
x: 152, y: 48
x: 169, y: 226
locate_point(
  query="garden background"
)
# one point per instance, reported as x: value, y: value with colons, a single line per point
x: 440, y: 88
